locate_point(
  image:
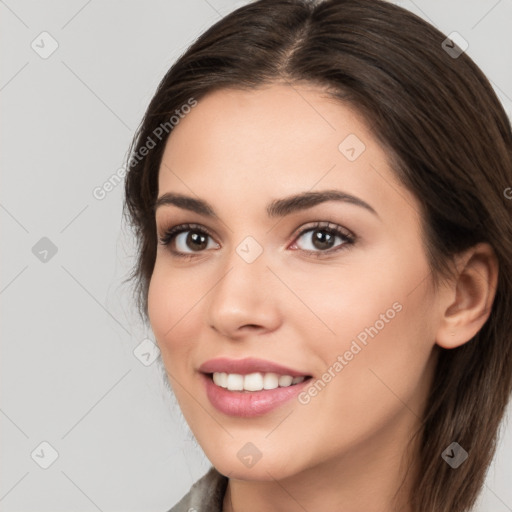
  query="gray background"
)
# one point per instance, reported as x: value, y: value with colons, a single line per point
x: 69, y: 376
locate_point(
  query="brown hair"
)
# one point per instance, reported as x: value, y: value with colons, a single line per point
x: 449, y: 141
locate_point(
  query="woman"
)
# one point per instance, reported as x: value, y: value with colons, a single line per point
x: 319, y: 193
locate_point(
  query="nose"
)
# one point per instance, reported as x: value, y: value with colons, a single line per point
x: 245, y: 300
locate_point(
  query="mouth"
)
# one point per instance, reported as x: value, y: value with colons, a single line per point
x: 256, y: 381
x: 250, y: 387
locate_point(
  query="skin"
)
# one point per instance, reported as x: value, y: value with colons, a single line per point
x: 239, y: 150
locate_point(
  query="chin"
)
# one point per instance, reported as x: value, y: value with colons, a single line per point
x: 260, y: 472
x: 243, y: 461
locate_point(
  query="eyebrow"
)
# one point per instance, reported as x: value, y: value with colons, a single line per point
x: 276, y: 208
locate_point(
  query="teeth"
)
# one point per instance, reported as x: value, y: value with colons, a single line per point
x: 235, y: 382
x: 285, y: 380
x: 221, y: 379
x: 254, y: 381
x: 270, y: 381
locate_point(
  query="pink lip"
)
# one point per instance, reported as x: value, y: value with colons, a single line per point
x: 246, y: 366
x: 248, y: 404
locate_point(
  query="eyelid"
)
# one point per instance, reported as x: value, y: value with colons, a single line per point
x: 324, y: 225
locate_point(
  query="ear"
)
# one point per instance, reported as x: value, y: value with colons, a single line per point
x: 467, y: 303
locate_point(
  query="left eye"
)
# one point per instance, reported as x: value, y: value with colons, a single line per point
x: 323, y: 239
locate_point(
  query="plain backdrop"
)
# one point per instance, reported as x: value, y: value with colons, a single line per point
x: 87, y: 423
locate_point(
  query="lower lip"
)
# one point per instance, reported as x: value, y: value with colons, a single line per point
x: 247, y: 404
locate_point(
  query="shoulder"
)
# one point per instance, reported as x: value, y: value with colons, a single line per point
x: 206, y: 494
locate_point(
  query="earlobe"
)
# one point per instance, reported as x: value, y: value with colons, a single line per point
x: 470, y: 298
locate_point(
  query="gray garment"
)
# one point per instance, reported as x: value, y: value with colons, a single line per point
x: 206, y: 495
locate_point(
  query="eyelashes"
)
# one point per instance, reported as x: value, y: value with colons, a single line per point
x: 323, y: 233
x: 171, y: 233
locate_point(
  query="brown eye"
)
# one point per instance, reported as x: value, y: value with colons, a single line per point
x: 187, y: 239
x: 195, y: 240
x: 323, y: 239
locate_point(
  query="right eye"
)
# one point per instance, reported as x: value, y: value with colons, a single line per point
x: 187, y: 239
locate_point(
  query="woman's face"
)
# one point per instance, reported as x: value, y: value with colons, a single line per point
x: 305, y: 260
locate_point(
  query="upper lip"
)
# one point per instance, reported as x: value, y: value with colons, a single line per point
x: 246, y: 366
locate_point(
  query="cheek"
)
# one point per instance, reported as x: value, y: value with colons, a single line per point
x: 386, y: 347
x: 377, y: 294
x: 374, y: 370
x: 379, y: 328
x: 171, y: 312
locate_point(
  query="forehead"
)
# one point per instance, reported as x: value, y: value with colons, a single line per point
x: 275, y: 140
x: 269, y: 124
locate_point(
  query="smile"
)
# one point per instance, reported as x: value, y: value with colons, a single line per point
x: 254, y: 381
x: 250, y: 387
